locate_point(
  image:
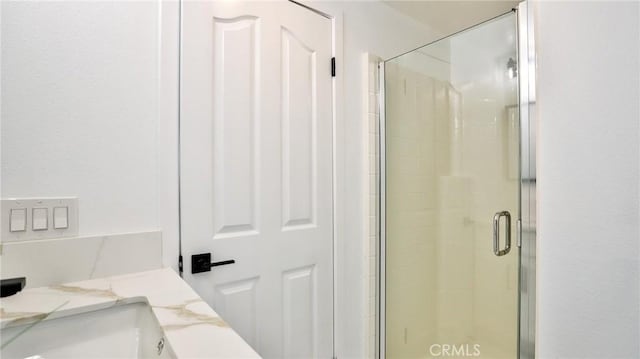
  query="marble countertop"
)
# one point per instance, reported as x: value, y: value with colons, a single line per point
x: 191, y: 327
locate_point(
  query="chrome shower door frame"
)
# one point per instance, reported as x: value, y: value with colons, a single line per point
x: 527, y: 240
x: 528, y: 125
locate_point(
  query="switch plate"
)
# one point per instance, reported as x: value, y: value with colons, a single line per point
x: 35, y: 226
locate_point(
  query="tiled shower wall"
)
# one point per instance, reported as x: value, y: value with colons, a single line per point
x: 416, y: 117
x: 372, y: 198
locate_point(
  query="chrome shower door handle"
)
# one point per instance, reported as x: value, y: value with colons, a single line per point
x: 496, y: 233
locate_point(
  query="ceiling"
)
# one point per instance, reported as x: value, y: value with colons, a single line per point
x: 447, y: 17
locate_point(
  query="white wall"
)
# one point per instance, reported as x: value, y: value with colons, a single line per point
x: 588, y: 176
x: 82, y: 113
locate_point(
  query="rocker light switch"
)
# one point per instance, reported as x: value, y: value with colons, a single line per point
x: 40, y: 219
x: 18, y: 220
x: 60, y: 217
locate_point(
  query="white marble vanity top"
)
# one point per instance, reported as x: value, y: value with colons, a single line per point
x: 190, y: 326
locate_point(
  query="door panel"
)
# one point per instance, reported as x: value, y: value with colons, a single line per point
x: 256, y: 129
x: 452, y: 160
x: 299, y: 104
x: 238, y: 301
x: 299, y: 315
x: 235, y: 146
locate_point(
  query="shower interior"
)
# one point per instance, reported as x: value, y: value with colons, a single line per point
x: 451, y: 160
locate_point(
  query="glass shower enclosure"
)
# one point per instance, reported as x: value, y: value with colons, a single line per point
x: 451, y: 185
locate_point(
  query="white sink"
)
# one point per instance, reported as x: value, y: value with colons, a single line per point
x: 121, y: 331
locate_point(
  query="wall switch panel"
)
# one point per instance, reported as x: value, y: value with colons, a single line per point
x: 26, y: 219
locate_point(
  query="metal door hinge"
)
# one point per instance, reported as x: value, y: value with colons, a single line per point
x: 180, y: 265
x: 333, y: 67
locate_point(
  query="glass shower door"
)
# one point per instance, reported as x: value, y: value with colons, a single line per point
x: 452, y: 196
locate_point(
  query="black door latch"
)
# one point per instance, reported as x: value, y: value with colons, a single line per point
x: 202, y: 263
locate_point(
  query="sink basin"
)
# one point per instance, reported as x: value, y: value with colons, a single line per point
x: 121, y: 331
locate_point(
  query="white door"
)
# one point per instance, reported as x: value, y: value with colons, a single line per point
x: 256, y: 185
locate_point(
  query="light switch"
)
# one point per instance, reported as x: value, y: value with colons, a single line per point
x: 40, y: 219
x: 18, y: 220
x: 61, y: 217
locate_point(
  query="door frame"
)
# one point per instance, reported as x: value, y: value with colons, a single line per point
x: 527, y: 261
x: 337, y: 145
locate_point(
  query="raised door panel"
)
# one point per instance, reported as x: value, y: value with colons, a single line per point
x: 299, y: 313
x: 299, y: 137
x: 237, y: 301
x: 236, y: 118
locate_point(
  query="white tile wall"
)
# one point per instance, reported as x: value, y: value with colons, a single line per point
x: 416, y: 113
x: 371, y: 196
